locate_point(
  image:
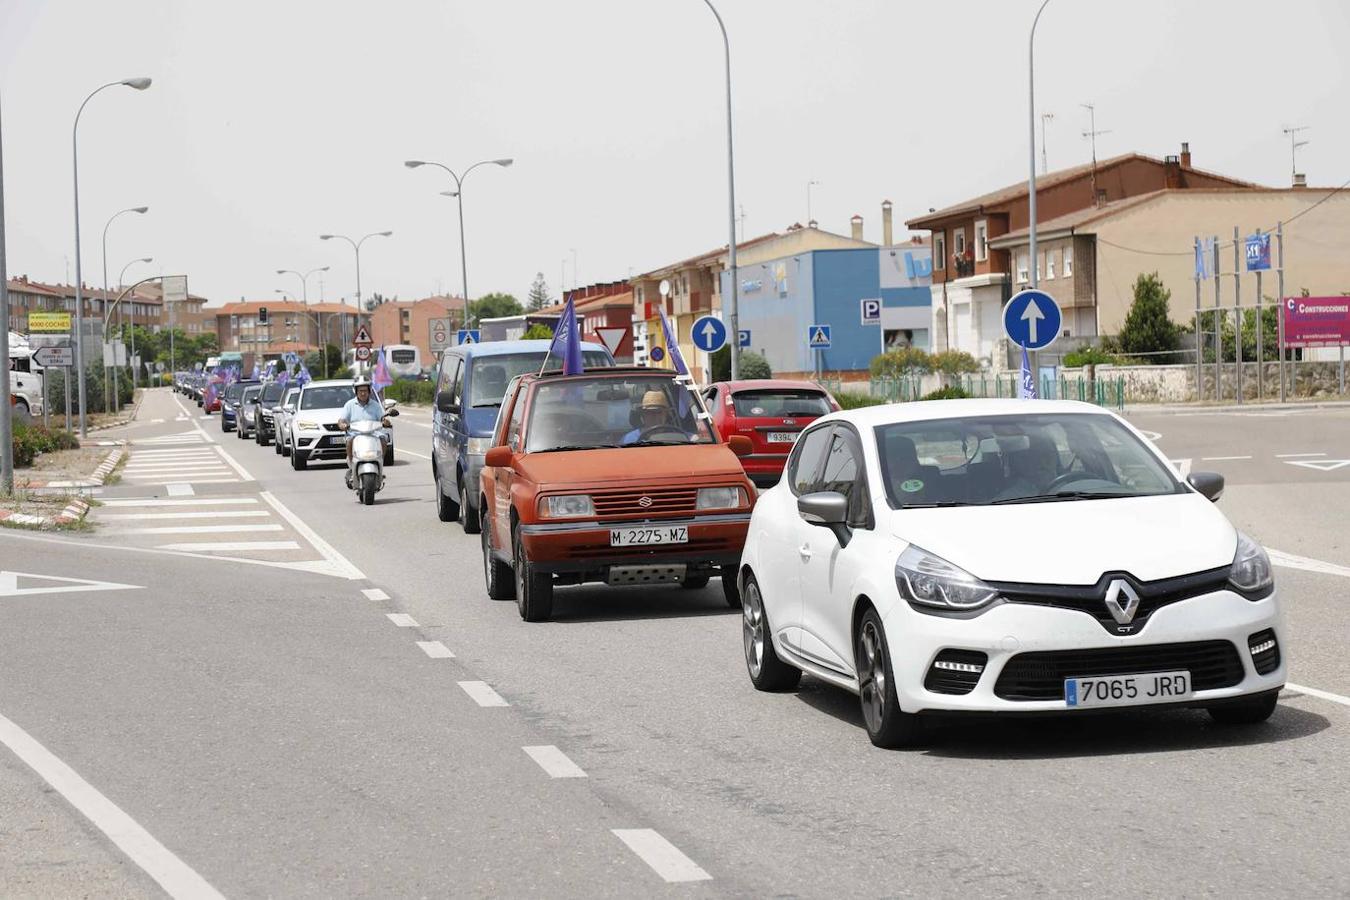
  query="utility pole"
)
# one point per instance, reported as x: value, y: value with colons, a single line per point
x: 808, y: 201
x: 741, y: 219
x: 6, y: 422
x: 1091, y: 135
x: 1045, y: 162
x: 1294, y: 144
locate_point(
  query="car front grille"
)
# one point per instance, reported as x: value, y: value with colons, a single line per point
x: 1040, y: 676
x: 629, y: 504
x: 1091, y: 599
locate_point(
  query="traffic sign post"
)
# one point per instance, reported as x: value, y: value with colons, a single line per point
x: 1032, y: 319
x: 54, y: 357
x: 363, y: 353
x: 871, y: 311
x: 468, y: 336
x: 439, y: 330
x: 709, y: 334
x: 743, y: 338
x: 362, y: 336
x: 818, y: 339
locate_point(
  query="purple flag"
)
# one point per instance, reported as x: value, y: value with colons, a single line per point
x: 1028, y: 387
x: 672, y: 345
x: 567, y: 341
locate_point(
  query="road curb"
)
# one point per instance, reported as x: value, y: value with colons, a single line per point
x: 99, y: 476
x: 1170, y: 408
x: 74, y: 512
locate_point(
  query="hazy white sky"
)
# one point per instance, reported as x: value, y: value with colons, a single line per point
x: 271, y: 122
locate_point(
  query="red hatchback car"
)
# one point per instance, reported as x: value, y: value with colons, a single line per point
x: 771, y: 412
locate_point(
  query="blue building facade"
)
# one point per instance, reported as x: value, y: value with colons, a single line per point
x: 781, y: 299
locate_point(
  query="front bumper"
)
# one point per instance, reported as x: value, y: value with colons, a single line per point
x: 1011, y: 629
x: 318, y: 445
x: 583, y: 547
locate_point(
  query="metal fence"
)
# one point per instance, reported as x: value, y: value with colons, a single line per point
x: 1108, y: 392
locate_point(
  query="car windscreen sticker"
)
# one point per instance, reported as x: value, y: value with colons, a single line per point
x: 911, y: 486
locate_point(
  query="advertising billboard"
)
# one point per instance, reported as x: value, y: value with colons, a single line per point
x: 1316, y: 321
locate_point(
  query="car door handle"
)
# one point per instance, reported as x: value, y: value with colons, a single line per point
x: 804, y: 551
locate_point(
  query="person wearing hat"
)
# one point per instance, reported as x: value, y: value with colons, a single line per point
x: 654, y: 412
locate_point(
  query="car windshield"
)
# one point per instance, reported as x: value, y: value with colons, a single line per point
x: 328, y: 397
x: 635, y: 410
x: 489, y: 375
x: 273, y: 392
x: 1017, y: 459
x: 779, y: 403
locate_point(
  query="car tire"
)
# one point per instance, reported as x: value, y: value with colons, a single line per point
x: 286, y: 448
x: 466, y: 516
x: 767, y: 671
x: 447, y: 510
x: 1251, y: 711
x: 224, y: 426
x: 534, y: 590
x: 500, y: 580
x: 22, y: 408
x: 887, y: 725
x: 276, y: 445
x: 730, y: 592
x: 299, y: 459
x: 695, y: 582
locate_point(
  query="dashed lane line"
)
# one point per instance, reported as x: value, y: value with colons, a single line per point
x: 402, y: 620
x: 176, y: 877
x: 554, y: 762
x: 374, y: 594
x: 482, y: 693
x: 1321, y: 695
x: 413, y: 453
x: 663, y: 856
x: 435, y: 650
x: 1307, y: 564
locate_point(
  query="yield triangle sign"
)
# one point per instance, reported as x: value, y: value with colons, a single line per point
x: 20, y: 584
x: 611, y: 338
x: 362, y: 336
x: 1321, y: 465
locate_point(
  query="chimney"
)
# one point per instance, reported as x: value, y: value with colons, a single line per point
x: 856, y: 222
x: 1185, y: 154
x: 1171, y: 172
x: 1300, y: 180
x: 886, y: 223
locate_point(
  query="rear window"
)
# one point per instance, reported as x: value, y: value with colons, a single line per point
x: 403, y: 357
x: 779, y: 403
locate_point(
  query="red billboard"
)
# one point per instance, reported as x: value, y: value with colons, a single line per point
x: 1316, y: 321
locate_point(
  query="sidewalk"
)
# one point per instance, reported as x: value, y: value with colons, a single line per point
x: 1173, y: 408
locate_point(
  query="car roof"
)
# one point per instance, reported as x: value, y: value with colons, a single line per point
x: 502, y: 348
x: 331, y: 382
x: 930, y: 410
x: 760, y: 384
x: 605, y: 372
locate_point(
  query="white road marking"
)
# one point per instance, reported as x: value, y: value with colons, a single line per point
x: 1294, y: 455
x: 1222, y: 458
x: 195, y: 424
x: 217, y: 514
x: 196, y: 453
x: 1183, y: 466
x: 1321, y: 695
x: 663, y: 856
x: 164, y: 479
x: 1154, y: 436
x: 402, y: 620
x: 170, y: 468
x: 243, y: 473
x: 1290, y: 561
x: 200, y: 529
x: 435, y: 649
x: 202, y: 501
x: 374, y: 594
x: 413, y: 453
x: 554, y: 762
x: 176, y: 877
x: 156, y: 421
x: 232, y: 545
x: 339, y: 565
x: 1319, y: 465
x: 482, y: 694
x: 9, y: 585
x: 179, y: 489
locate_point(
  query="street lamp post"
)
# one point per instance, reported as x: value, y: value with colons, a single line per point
x: 1031, y: 119
x: 458, y: 194
x: 304, y: 295
x: 139, y: 84
x: 356, y: 247
x: 6, y: 423
x: 121, y: 280
x: 317, y: 319
x: 136, y: 209
x: 733, y: 329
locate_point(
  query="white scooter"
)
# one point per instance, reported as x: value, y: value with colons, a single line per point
x: 367, y: 474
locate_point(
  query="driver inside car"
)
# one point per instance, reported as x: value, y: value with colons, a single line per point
x: 1033, y: 470
x: 654, y: 414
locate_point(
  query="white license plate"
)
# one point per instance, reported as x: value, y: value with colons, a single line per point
x: 783, y: 437
x: 669, y: 534
x: 1127, y: 690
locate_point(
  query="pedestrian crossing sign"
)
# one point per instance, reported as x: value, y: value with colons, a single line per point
x: 818, y: 337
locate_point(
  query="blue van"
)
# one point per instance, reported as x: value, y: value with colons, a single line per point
x: 471, y: 382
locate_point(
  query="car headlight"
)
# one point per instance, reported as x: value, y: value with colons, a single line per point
x: 306, y: 425
x: 478, y: 446
x: 1251, y: 573
x: 566, y: 506
x: 719, y: 498
x: 930, y: 581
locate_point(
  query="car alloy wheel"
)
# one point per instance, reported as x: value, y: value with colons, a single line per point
x: 767, y: 671
x: 887, y: 725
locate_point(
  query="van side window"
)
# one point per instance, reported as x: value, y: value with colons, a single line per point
x: 457, y: 382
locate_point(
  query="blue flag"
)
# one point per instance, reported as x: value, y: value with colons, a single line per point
x: 303, y: 377
x: 256, y: 374
x: 672, y: 345
x: 1028, y: 387
x: 567, y: 341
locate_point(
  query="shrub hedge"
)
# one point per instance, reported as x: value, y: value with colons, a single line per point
x: 31, y: 440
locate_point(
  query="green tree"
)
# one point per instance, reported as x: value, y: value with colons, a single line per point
x: 906, y: 362
x: 1148, y: 325
x: 753, y: 365
x: 537, y: 332
x: 954, y: 362
x: 538, y: 297
x: 495, y: 306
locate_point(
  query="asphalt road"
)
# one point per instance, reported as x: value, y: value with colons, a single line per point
x: 255, y: 709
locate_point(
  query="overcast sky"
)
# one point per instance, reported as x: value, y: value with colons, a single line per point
x: 271, y: 122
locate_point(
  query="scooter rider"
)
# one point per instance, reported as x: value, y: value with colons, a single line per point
x: 362, y: 408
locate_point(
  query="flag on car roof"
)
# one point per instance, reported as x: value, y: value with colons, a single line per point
x: 285, y: 376
x: 672, y: 345
x: 567, y: 341
x: 1028, y: 389
x: 256, y: 374
x: 380, y: 377
x: 302, y: 377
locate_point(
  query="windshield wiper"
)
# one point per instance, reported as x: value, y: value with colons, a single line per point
x: 939, y: 504
x: 1066, y: 495
x: 576, y: 447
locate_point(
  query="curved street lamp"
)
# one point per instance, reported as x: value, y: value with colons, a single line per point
x: 732, y: 308
x: 458, y: 194
x: 138, y: 84
x: 356, y: 247
x: 304, y: 280
x: 140, y: 210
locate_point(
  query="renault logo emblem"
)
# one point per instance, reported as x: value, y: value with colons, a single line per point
x: 647, y: 501
x: 1121, y: 612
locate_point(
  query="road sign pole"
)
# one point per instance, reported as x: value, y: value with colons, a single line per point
x: 1199, y: 340
x: 1279, y: 280
x: 1237, y: 304
x: 1218, y: 329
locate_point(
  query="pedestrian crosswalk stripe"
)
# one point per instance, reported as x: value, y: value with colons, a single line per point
x: 197, y: 501
x: 215, y: 514
x: 230, y: 545
x: 200, y: 529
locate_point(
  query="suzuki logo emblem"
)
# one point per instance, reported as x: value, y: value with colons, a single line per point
x: 1121, y: 612
x: 647, y: 501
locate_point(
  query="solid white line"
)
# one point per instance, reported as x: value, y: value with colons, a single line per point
x: 203, y: 501
x: 482, y: 694
x: 663, y: 856
x: 201, y: 529
x: 1293, y: 455
x: 402, y: 620
x: 243, y: 473
x: 176, y: 877
x: 435, y: 649
x: 195, y: 424
x: 1290, y: 561
x: 217, y: 514
x: 1321, y: 695
x: 412, y: 453
x: 1222, y: 458
x: 554, y: 762
x: 343, y: 567
x: 374, y: 594
x: 178, y: 489
x: 232, y: 545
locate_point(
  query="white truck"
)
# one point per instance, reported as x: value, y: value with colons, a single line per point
x: 25, y: 377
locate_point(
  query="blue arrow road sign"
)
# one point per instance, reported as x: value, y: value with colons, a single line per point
x: 658, y: 354
x: 744, y: 337
x: 871, y: 311
x: 708, y: 334
x: 468, y: 336
x: 1032, y: 319
x: 818, y: 337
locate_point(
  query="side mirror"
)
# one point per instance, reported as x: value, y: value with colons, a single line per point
x: 740, y: 445
x: 499, y: 457
x: 828, y: 509
x: 391, y: 413
x: 1208, y: 483
x: 445, y: 401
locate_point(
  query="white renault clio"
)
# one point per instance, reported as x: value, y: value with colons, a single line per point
x: 1004, y: 556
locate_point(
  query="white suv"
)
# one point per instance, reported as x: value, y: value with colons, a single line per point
x: 312, y: 430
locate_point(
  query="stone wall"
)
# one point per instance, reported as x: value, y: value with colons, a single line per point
x: 1176, y: 383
